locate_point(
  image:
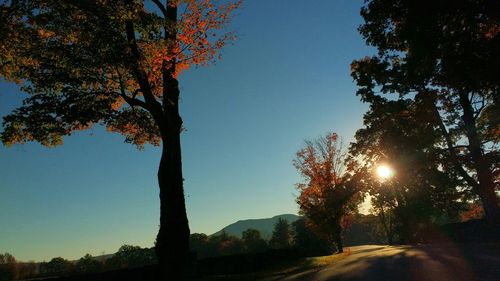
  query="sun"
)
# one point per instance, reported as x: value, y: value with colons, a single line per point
x: 384, y: 172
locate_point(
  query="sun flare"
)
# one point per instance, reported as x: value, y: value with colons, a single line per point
x: 384, y: 172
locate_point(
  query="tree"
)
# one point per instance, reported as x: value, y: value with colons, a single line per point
x: 424, y: 186
x: 253, y: 241
x: 307, y: 242
x: 444, y: 54
x: 327, y: 196
x: 113, y: 63
x: 88, y: 264
x: 199, y: 243
x: 129, y: 256
x: 282, y: 235
x: 56, y: 267
x: 8, y: 267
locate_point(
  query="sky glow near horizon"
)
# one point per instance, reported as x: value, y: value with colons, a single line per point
x: 286, y: 79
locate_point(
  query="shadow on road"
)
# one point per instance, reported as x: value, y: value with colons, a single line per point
x: 425, y: 262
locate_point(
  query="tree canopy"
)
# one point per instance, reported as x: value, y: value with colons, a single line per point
x: 327, y: 195
x: 440, y: 59
x: 113, y: 63
x: 101, y: 62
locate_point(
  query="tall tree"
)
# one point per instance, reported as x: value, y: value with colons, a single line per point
x: 282, y: 235
x: 113, y: 63
x: 326, y: 196
x: 253, y: 241
x: 308, y: 242
x: 424, y: 186
x: 444, y: 53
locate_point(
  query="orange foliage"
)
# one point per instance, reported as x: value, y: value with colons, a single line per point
x: 475, y: 211
x: 324, y: 196
x: 199, y: 39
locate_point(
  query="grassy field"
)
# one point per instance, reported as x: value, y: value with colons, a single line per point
x: 284, y: 269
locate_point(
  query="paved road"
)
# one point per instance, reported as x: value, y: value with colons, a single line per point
x: 414, y: 263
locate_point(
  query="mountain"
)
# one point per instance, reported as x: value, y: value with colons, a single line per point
x: 265, y: 226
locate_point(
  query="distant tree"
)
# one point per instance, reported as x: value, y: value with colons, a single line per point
x: 307, y: 241
x: 445, y: 55
x: 8, y: 267
x: 230, y: 245
x: 364, y: 229
x: 327, y: 196
x: 384, y: 209
x: 282, y: 235
x: 199, y: 243
x: 27, y: 270
x: 87, y: 264
x: 57, y: 267
x: 253, y: 241
x: 222, y: 244
x: 131, y: 256
x: 114, y: 63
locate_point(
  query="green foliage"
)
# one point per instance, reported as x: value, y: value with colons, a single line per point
x: 282, y: 235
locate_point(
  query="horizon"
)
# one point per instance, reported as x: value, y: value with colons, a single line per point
x: 284, y: 80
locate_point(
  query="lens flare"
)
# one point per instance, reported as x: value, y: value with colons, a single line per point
x: 384, y: 172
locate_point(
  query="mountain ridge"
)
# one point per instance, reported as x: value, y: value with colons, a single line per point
x: 264, y: 225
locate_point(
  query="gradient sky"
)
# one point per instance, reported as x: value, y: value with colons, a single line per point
x: 286, y: 78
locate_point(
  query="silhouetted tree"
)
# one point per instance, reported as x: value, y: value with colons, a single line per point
x: 131, y: 256
x: 282, y: 235
x: 253, y: 241
x: 26, y: 270
x: 8, y: 267
x: 326, y: 196
x: 424, y: 186
x: 87, y: 264
x: 113, y: 63
x: 199, y: 243
x: 308, y: 242
x: 56, y: 267
x: 445, y: 55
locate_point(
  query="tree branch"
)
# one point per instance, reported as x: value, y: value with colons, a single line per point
x: 451, y: 149
x: 132, y: 101
x: 153, y: 105
x: 161, y: 7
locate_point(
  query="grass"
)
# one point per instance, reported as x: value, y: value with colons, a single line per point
x: 283, y: 269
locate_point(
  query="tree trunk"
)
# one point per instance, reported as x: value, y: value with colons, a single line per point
x: 172, y: 242
x: 338, y: 243
x: 486, y: 187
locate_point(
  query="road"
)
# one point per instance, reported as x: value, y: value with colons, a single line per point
x: 480, y: 262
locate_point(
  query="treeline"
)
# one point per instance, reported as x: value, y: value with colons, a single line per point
x: 126, y: 257
x: 285, y: 236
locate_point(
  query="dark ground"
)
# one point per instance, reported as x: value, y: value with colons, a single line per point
x: 430, y: 262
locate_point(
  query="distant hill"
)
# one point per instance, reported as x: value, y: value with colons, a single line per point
x: 265, y: 226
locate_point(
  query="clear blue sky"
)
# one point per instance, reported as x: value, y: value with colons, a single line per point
x: 287, y: 78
